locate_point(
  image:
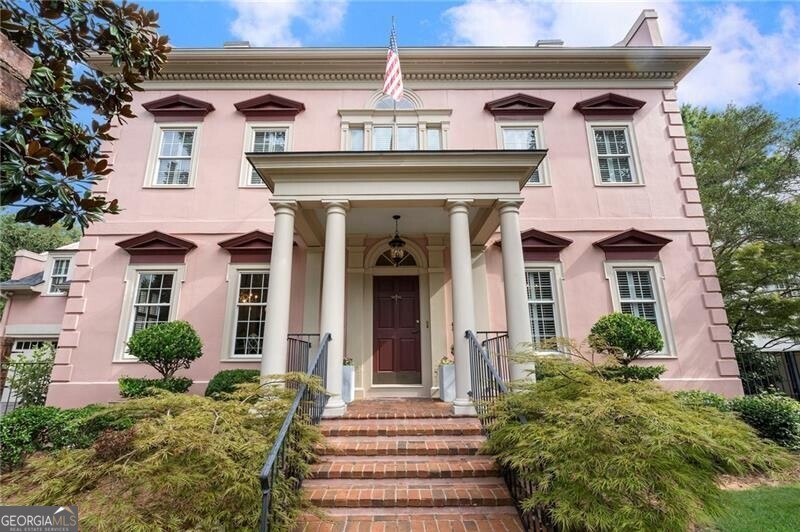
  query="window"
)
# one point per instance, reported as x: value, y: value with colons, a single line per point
x: 263, y: 138
x: 387, y: 102
x: 59, y: 282
x: 175, y: 156
x: 357, y: 139
x: 250, y: 313
x: 433, y: 138
x: 153, y: 301
x: 523, y: 137
x: 637, y: 289
x: 613, y: 153
x: 543, y: 304
x: 385, y: 138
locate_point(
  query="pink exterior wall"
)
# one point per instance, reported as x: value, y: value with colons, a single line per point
x: 573, y: 207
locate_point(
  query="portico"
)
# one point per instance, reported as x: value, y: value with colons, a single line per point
x: 394, y: 322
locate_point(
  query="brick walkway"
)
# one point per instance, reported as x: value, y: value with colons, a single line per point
x: 406, y: 465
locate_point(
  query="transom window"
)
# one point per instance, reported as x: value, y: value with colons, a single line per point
x: 250, y: 313
x: 176, y: 150
x: 264, y: 141
x: 613, y: 154
x: 386, y: 102
x: 542, y: 305
x: 59, y: 283
x: 385, y: 259
x: 523, y: 138
x: 153, y: 300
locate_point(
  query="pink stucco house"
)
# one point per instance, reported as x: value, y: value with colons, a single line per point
x: 538, y: 189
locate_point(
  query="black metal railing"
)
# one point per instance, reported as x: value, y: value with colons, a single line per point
x: 307, y: 407
x: 764, y: 371
x: 497, y: 347
x: 23, y: 383
x: 488, y: 386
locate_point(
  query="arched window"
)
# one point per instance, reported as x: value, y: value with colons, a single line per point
x: 386, y: 102
x: 385, y: 259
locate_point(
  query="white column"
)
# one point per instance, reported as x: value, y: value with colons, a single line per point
x: 517, y: 319
x: 273, y: 357
x: 333, y: 301
x: 463, y: 300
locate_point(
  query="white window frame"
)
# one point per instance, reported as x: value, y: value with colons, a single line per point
x: 662, y: 310
x: 131, y: 284
x: 151, y: 177
x: 249, y: 137
x: 366, y: 119
x: 48, y: 272
x: 541, y: 144
x: 557, y: 271
x: 229, y: 327
x: 636, y: 167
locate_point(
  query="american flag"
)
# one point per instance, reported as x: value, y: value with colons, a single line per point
x: 393, y: 78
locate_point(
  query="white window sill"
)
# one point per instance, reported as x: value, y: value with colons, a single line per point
x: 612, y: 185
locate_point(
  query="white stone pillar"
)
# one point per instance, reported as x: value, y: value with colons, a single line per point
x: 333, y: 301
x: 463, y: 300
x: 276, y: 330
x: 517, y: 319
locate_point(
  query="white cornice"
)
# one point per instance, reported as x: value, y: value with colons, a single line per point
x: 454, y: 65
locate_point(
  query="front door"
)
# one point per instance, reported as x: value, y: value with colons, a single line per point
x: 396, y: 357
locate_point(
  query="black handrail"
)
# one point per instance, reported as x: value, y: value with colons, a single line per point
x: 487, y: 386
x: 310, y: 404
x: 497, y: 347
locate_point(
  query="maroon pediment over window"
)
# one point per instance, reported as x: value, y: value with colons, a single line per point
x: 270, y: 107
x: 538, y: 245
x: 609, y: 104
x: 632, y: 245
x: 518, y: 106
x: 156, y: 247
x: 255, y: 246
x: 178, y: 107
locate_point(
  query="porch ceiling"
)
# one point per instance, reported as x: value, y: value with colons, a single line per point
x: 421, y: 177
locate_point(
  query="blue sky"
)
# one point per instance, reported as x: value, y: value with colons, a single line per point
x: 755, y: 57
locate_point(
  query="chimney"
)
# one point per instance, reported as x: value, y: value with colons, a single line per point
x: 549, y: 43
x: 236, y: 44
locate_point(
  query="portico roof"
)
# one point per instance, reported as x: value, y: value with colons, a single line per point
x: 403, y: 173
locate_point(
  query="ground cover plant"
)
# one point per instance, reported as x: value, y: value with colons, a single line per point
x: 188, y: 463
x: 610, y: 455
x: 227, y: 380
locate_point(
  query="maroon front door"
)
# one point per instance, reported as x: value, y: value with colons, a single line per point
x: 396, y: 332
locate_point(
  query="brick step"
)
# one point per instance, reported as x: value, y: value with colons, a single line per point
x: 399, y: 409
x: 428, y: 493
x: 402, y: 427
x: 377, y: 467
x: 474, y: 518
x: 401, y: 446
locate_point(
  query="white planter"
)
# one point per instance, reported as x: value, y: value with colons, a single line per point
x: 447, y: 383
x: 348, y: 383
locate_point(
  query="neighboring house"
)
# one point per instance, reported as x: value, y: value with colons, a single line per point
x: 539, y: 188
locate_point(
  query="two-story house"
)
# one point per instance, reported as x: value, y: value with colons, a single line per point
x: 537, y: 188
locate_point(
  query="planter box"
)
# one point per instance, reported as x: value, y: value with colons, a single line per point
x: 447, y: 382
x: 348, y: 383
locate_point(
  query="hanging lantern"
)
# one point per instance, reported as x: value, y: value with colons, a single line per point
x: 397, y: 245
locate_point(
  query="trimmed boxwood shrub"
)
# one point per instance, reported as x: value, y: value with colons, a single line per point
x: 138, y: 387
x: 702, y: 398
x: 225, y: 381
x: 625, y: 337
x: 632, y: 373
x: 774, y: 416
x: 167, y: 347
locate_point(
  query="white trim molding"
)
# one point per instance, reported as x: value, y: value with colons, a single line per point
x: 249, y: 136
x: 636, y: 166
x: 556, y: 269
x: 228, y: 330
x: 541, y: 144
x: 126, y: 314
x: 662, y: 311
x: 159, y: 128
x: 52, y: 257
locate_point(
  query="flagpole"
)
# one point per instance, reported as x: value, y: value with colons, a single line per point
x: 394, y: 105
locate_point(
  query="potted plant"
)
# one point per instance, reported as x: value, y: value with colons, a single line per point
x: 447, y: 379
x: 348, y: 380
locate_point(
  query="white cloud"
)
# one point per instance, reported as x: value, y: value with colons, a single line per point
x: 274, y: 22
x: 745, y: 64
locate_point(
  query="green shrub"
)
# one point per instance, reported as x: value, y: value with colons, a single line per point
x: 137, y: 387
x: 632, y: 373
x: 167, y: 347
x: 31, y: 376
x: 43, y: 428
x: 774, y: 416
x: 189, y: 463
x: 701, y: 398
x: 606, y: 455
x: 225, y: 381
x: 625, y: 337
